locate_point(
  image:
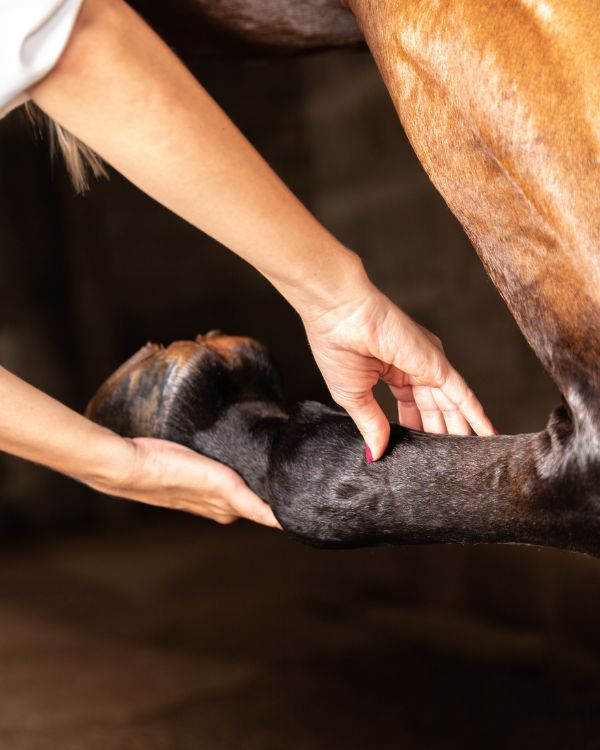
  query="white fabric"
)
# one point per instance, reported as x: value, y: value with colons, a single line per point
x: 33, y: 34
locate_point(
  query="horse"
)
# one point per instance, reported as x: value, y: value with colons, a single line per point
x: 501, y: 103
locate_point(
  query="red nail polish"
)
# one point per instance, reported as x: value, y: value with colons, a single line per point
x: 496, y: 432
x: 368, y: 453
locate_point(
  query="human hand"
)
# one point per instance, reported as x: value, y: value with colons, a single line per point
x: 162, y: 473
x: 366, y: 338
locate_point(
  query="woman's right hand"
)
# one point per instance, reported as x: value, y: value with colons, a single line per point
x: 162, y: 473
x: 358, y: 336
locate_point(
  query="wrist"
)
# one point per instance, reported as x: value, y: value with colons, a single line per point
x: 108, y: 464
x: 335, y: 279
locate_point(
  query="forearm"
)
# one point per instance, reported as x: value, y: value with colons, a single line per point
x: 38, y: 428
x: 121, y: 90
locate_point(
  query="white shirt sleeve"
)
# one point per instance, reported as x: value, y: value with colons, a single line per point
x: 33, y: 34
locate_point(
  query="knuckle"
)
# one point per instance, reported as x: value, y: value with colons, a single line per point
x: 234, y: 485
x: 424, y: 399
x: 466, y: 399
x: 439, y: 373
x: 347, y: 400
x: 450, y: 411
x: 433, y: 373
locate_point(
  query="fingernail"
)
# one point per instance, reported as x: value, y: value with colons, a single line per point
x: 496, y: 432
x: 368, y: 453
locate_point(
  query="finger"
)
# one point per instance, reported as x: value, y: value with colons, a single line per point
x: 232, y: 496
x: 431, y: 416
x: 372, y: 423
x: 408, y: 412
x: 250, y: 506
x: 467, y: 403
x: 212, y: 511
x: 265, y: 517
x: 456, y: 424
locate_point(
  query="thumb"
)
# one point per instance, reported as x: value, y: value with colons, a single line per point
x: 372, y: 423
x: 252, y: 507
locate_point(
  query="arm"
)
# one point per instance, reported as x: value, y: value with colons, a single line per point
x: 36, y: 427
x: 121, y: 90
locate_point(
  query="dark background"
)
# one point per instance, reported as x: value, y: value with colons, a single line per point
x: 125, y: 626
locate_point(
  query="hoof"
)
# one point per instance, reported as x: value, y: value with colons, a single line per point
x: 138, y: 399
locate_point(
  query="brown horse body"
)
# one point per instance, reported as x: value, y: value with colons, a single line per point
x: 501, y: 102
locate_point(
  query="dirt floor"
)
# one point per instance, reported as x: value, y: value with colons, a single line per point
x: 184, y: 635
